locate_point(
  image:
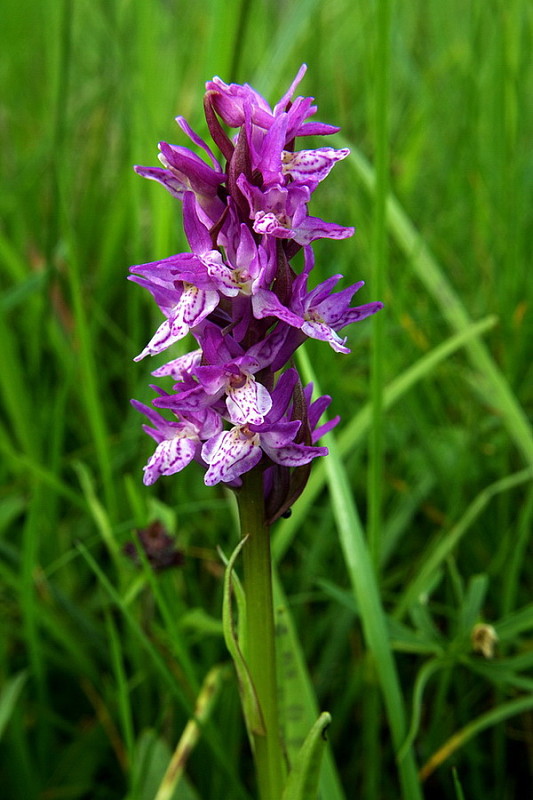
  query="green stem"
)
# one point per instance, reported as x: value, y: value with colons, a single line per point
x: 260, y: 645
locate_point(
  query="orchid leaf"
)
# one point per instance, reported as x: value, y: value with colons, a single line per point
x: 250, y: 703
x: 302, y: 783
x: 298, y: 704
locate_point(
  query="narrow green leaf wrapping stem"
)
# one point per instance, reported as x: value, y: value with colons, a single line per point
x: 300, y: 688
x: 261, y: 651
x: 304, y: 776
x: 249, y: 701
x: 165, y: 675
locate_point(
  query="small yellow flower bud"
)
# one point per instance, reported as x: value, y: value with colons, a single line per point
x: 483, y: 638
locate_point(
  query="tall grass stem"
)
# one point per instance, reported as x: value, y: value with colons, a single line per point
x: 378, y: 276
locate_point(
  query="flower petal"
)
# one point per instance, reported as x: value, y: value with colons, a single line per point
x: 294, y: 455
x: 179, y: 366
x: 162, y: 338
x: 283, y: 102
x: 312, y: 228
x: 230, y: 454
x: 195, y: 305
x: 170, y: 456
x: 266, y: 304
x: 311, y: 165
x: 267, y: 222
x: 248, y: 403
x: 322, y: 331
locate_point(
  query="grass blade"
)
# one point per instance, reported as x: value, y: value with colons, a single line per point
x: 441, y: 550
x: 493, y: 717
x: 432, y: 276
x: 364, y: 586
x: 359, y: 425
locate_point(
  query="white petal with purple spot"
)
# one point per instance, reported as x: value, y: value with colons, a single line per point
x: 170, y: 456
x: 179, y: 366
x: 230, y: 454
x: 196, y: 304
x: 319, y: 330
x: 164, y: 336
x: 315, y: 165
x: 248, y: 403
x: 267, y: 222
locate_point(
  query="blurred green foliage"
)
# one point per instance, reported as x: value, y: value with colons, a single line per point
x: 101, y: 659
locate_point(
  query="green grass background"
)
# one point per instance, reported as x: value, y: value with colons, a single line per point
x: 416, y: 527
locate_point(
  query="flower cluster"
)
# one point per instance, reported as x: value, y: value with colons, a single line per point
x: 235, y: 402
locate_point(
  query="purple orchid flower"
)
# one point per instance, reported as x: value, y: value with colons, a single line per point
x: 247, y: 264
x: 227, y: 370
x: 235, y: 404
x: 178, y: 443
x: 282, y: 212
x: 232, y: 452
x: 270, y: 154
x: 247, y: 400
x: 319, y: 314
x: 231, y: 102
x: 187, y: 287
x: 184, y: 306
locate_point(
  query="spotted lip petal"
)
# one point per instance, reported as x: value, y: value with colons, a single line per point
x: 194, y: 306
x: 312, y: 228
x: 179, y: 367
x: 170, y: 456
x: 178, y: 442
x: 322, y: 331
x: 294, y: 455
x: 248, y: 403
x: 161, y: 339
x: 230, y: 455
x: 312, y: 166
